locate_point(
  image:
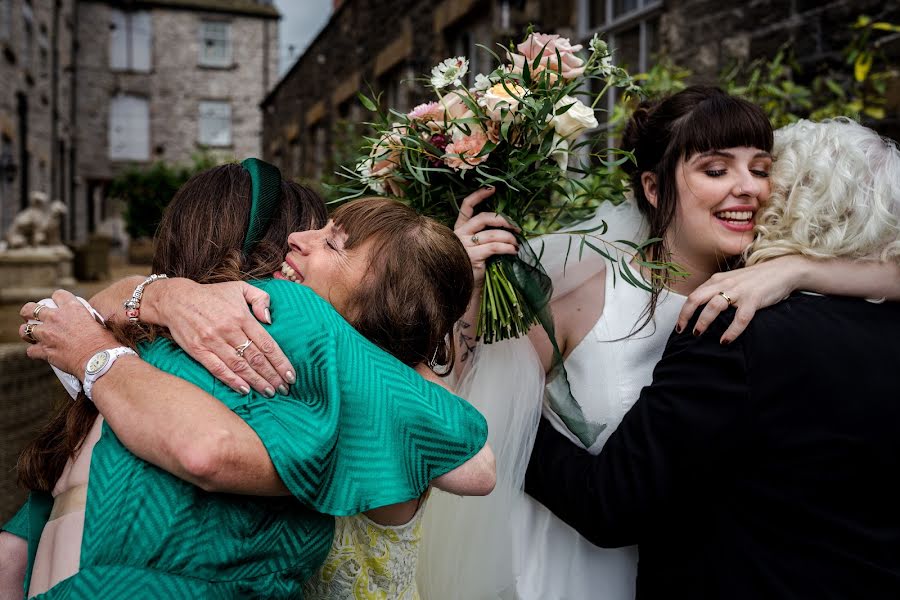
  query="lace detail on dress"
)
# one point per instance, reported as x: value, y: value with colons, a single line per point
x: 369, y: 561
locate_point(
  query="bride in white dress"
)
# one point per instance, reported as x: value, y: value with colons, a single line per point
x: 507, y: 545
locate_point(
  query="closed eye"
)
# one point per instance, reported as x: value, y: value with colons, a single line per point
x: 715, y: 172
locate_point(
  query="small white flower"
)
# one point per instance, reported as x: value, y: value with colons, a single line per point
x: 598, y: 45
x: 448, y: 72
x: 482, y: 82
x: 605, y: 66
x: 365, y: 176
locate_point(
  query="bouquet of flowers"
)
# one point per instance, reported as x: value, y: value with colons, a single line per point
x: 518, y: 129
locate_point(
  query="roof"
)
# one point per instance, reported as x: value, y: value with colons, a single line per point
x: 240, y: 7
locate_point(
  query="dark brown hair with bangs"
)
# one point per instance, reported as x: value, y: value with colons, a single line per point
x: 201, y: 237
x: 661, y: 133
x: 418, y: 282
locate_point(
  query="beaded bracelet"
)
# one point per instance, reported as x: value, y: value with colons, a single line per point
x: 133, y: 304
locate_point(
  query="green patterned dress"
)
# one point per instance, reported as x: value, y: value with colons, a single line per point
x: 359, y: 430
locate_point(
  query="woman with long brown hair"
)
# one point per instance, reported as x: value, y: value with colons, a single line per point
x: 356, y: 431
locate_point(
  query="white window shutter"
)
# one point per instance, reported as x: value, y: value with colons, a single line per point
x: 141, y: 41
x: 215, y: 124
x: 118, y: 40
x: 129, y: 128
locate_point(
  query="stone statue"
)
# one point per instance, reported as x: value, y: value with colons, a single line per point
x: 37, y: 225
x: 33, y: 260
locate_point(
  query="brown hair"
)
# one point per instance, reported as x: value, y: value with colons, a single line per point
x: 200, y: 237
x: 418, y: 282
x: 662, y: 132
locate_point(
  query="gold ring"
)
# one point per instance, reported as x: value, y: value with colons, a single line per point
x: 240, y: 349
x: 37, y: 310
x: 475, y: 239
x: 727, y: 298
x: 28, y: 334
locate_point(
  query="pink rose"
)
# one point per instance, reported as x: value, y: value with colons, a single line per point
x: 463, y: 152
x: 572, y: 66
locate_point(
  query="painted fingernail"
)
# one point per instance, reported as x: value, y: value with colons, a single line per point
x: 725, y: 342
x: 289, y: 375
x: 679, y: 329
x: 696, y: 332
x: 268, y: 316
x: 244, y: 390
x: 269, y: 392
x: 283, y: 390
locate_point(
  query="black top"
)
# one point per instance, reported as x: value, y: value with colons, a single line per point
x: 767, y: 468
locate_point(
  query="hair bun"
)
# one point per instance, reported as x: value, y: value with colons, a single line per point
x: 635, y: 131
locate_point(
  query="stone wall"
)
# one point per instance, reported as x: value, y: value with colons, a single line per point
x: 42, y: 79
x: 706, y: 35
x: 30, y: 390
x: 174, y: 87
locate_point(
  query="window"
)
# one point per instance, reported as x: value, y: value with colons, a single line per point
x: 129, y: 128
x: 130, y: 40
x: 5, y: 19
x: 27, y: 34
x: 215, y: 44
x: 630, y: 27
x: 215, y: 124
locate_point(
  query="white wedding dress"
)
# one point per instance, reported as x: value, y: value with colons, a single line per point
x: 508, y: 546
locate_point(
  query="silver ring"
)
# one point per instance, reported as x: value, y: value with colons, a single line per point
x: 240, y: 349
x: 28, y: 333
x: 475, y: 239
x: 37, y: 310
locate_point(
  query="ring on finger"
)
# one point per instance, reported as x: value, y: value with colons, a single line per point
x: 37, y: 311
x: 240, y: 349
x: 475, y: 239
x: 28, y: 333
x: 727, y: 298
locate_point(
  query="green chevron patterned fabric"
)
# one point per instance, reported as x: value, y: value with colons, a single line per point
x: 359, y: 430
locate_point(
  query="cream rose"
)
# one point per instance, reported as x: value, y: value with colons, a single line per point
x: 575, y: 120
x: 499, y: 97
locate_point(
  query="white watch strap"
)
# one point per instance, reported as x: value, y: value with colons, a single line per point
x: 91, y: 378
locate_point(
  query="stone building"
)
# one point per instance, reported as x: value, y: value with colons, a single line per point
x: 305, y: 113
x: 164, y: 79
x: 91, y: 87
x: 36, y: 102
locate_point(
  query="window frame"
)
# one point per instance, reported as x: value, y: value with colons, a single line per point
x: 204, y: 60
x: 646, y: 11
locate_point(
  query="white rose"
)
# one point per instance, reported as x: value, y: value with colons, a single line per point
x: 575, y: 120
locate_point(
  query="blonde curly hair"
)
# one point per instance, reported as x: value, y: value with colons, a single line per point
x: 835, y: 193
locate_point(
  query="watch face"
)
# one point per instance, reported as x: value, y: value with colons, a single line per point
x: 97, y: 362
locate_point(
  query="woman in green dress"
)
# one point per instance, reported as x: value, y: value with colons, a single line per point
x: 356, y: 431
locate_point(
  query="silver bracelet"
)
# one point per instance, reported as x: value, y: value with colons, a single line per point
x: 133, y: 304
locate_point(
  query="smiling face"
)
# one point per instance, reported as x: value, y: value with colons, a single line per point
x: 718, y: 195
x: 319, y: 260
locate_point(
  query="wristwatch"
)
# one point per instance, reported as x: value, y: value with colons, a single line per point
x: 99, y: 364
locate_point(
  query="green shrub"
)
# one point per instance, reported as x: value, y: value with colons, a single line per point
x: 146, y: 191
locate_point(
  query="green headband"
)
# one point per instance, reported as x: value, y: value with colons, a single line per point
x: 265, y: 183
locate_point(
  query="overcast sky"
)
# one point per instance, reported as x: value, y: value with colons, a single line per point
x: 301, y: 20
